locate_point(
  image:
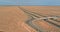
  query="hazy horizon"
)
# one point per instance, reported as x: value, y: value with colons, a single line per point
x: 29, y: 2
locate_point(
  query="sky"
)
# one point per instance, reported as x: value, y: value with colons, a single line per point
x: 30, y: 2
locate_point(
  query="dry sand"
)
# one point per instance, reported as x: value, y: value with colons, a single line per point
x: 12, y: 19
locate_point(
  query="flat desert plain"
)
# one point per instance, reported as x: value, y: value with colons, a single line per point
x: 13, y: 19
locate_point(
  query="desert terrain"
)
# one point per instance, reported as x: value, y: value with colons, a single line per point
x: 15, y: 19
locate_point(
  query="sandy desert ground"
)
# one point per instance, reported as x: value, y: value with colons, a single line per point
x: 13, y: 19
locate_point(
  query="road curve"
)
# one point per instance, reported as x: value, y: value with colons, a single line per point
x: 34, y: 17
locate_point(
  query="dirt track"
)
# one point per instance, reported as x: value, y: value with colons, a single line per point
x: 12, y: 19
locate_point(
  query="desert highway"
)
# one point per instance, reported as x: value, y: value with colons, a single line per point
x: 34, y: 17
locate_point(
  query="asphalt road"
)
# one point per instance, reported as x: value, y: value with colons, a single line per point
x: 34, y: 17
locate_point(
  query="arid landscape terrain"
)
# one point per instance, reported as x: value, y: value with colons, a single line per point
x: 23, y: 19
